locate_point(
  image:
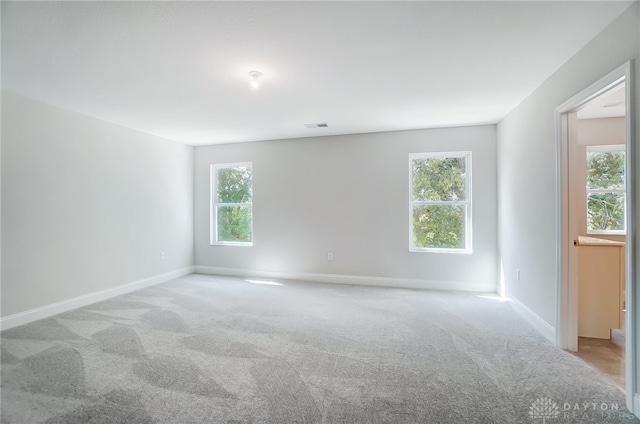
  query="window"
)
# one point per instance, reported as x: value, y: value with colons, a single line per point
x: 440, y: 202
x: 232, y: 204
x: 606, y: 198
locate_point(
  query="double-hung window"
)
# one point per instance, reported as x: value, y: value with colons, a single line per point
x: 232, y: 204
x: 440, y: 202
x: 606, y: 189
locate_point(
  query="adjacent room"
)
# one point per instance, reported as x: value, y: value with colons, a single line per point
x: 319, y: 212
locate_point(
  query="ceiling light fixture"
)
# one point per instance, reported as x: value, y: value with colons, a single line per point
x: 317, y: 125
x: 254, y: 78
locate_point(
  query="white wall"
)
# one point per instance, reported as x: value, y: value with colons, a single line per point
x: 589, y: 132
x: 87, y: 205
x: 527, y: 171
x: 527, y: 166
x: 601, y: 131
x: 349, y: 195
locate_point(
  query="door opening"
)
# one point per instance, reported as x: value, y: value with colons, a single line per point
x: 595, y: 194
x: 597, y: 226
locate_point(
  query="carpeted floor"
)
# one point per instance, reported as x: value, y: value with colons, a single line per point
x: 204, y: 349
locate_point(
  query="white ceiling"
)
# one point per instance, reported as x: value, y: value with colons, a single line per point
x: 179, y: 70
x: 608, y: 105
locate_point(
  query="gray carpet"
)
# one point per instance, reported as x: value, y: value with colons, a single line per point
x: 203, y: 349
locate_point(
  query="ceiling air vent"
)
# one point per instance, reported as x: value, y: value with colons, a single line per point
x: 317, y: 125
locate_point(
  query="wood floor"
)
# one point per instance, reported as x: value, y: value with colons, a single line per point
x: 605, y: 356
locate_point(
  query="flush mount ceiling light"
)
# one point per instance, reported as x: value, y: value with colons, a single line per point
x: 254, y: 78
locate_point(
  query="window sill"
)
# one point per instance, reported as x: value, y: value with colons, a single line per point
x: 454, y: 251
x: 230, y: 243
x: 608, y: 233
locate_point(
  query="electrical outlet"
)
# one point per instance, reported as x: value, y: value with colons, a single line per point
x: 330, y: 256
x: 163, y: 256
x: 518, y: 274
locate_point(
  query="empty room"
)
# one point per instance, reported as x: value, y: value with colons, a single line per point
x: 319, y: 212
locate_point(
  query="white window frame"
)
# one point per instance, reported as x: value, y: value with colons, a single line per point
x: 604, y: 149
x: 467, y: 203
x: 214, y: 204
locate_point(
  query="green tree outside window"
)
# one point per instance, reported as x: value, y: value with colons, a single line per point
x: 440, y: 202
x: 606, y: 199
x: 232, y: 204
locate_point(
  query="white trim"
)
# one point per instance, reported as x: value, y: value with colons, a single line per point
x: 566, y: 299
x: 467, y: 203
x: 633, y: 306
x: 232, y: 243
x: 542, y: 326
x: 353, y: 279
x: 77, y: 302
x: 606, y: 190
x: 636, y: 404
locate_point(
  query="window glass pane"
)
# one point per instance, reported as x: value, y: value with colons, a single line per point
x: 234, y: 185
x: 439, y: 179
x: 605, y: 170
x: 439, y: 226
x: 234, y: 223
x: 605, y: 211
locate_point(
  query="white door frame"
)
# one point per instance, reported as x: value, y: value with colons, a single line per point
x: 567, y: 299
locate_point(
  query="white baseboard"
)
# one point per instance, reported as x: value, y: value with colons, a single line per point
x: 47, y: 311
x: 542, y: 326
x: 352, y: 279
x: 636, y: 404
